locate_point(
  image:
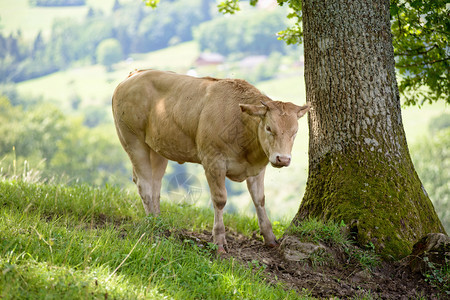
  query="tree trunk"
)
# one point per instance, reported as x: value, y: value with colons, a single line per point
x: 360, y: 170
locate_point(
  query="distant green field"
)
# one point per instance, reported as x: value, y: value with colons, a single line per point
x: 19, y: 15
x: 95, y: 86
x: 290, y: 89
x: 415, y: 119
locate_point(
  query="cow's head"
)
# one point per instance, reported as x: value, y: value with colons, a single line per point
x: 277, y: 129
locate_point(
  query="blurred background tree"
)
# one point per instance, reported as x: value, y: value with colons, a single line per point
x: 431, y: 157
x: 109, y: 52
x: 43, y: 138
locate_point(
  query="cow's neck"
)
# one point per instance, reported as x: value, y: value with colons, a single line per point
x: 257, y: 154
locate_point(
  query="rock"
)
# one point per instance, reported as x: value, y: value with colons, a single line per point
x: 361, y: 276
x: 295, y: 250
x: 433, y: 248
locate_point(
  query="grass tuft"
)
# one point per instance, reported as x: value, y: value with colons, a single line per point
x: 315, y: 231
x: 333, y: 235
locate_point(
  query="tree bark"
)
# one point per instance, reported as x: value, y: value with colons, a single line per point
x: 360, y: 170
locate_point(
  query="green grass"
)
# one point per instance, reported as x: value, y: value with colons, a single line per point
x: 314, y: 230
x: 438, y: 276
x: 80, y: 242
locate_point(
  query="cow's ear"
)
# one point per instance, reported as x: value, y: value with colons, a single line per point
x: 302, y: 110
x: 254, y: 110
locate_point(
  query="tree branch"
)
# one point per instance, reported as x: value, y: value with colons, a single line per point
x: 417, y: 53
x: 423, y: 63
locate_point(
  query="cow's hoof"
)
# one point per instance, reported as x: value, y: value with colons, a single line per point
x: 273, y: 244
x: 221, y: 250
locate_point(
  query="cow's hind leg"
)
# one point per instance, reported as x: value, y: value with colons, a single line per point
x: 142, y: 174
x: 140, y: 155
x: 256, y: 188
x: 148, y: 171
x: 159, y: 165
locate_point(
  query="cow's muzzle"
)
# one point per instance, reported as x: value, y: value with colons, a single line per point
x: 280, y: 161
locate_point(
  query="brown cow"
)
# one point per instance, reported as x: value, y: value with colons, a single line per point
x: 226, y: 125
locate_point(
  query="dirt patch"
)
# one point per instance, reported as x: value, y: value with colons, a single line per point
x: 342, y: 280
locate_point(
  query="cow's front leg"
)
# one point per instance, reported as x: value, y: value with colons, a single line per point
x: 256, y: 188
x: 216, y: 181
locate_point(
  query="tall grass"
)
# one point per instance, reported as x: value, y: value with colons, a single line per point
x: 81, y: 242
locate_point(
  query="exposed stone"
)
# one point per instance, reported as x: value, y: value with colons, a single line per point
x: 361, y: 276
x: 433, y: 248
x: 295, y: 250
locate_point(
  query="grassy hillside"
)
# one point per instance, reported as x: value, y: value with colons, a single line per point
x: 79, y: 242
x: 86, y: 243
x: 95, y: 86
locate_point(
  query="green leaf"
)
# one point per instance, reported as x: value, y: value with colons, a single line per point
x: 151, y: 3
x: 229, y: 6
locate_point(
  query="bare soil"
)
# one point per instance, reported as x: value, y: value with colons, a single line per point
x: 339, y: 279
